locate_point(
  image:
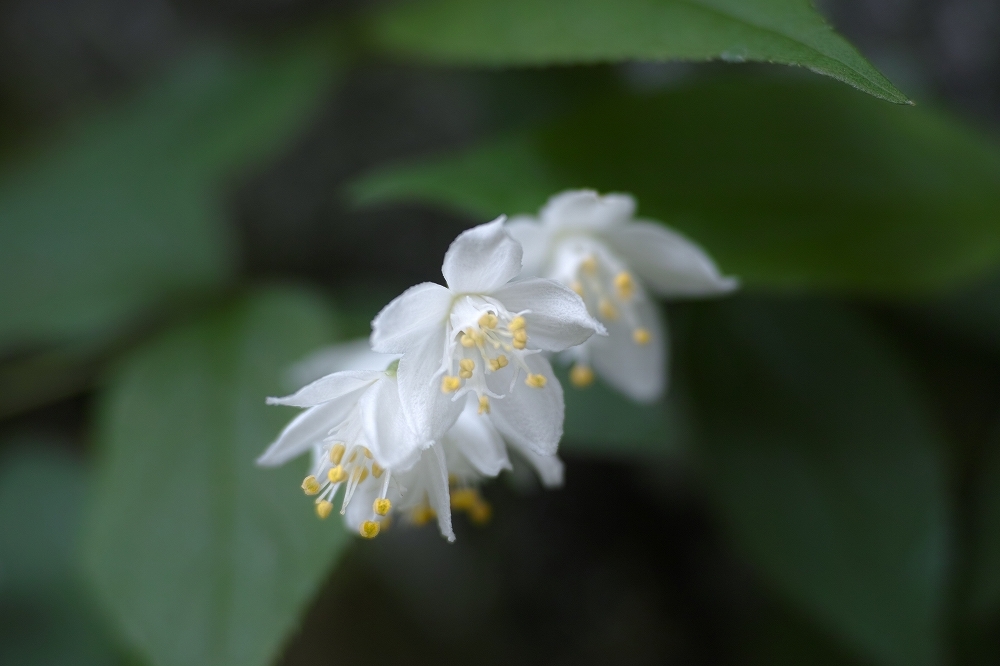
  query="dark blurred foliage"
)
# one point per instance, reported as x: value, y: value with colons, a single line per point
x: 627, y: 563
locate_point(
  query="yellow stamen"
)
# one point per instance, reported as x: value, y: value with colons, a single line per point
x: 641, y: 336
x: 481, y: 512
x: 467, y: 365
x: 323, y: 509
x: 365, y: 450
x: 516, y: 324
x: 498, y: 362
x: 520, y: 339
x: 463, y: 499
x: 422, y: 515
x: 581, y: 376
x: 377, y: 470
x: 535, y: 381
x: 450, y: 384
x: 607, y: 310
x: 310, y: 485
x: 488, y: 321
x: 369, y: 529
x: 624, y: 285
x: 589, y: 265
x: 478, y: 337
x: 484, y: 404
x: 577, y: 286
x: 381, y: 506
x: 336, y: 474
x: 467, y: 341
x: 519, y: 344
x: 360, y: 474
x: 337, y: 453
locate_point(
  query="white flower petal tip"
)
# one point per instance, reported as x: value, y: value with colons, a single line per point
x: 482, y: 259
x: 410, y: 318
x: 586, y: 209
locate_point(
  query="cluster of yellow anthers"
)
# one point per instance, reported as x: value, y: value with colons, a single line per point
x: 609, y: 304
x: 354, y: 471
x: 470, y: 501
x: 489, y: 337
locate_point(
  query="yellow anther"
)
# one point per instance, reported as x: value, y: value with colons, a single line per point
x: 624, y: 285
x: 589, y: 265
x: 467, y: 341
x: 519, y: 344
x: 369, y: 529
x: 365, y: 450
x: 337, y: 453
x: 323, y: 508
x: 463, y: 499
x: 535, y: 381
x: 477, y: 336
x: 577, y: 286
x: 516, y: 324
x: 466, y: 365
x: 484, y: 404
x: 488, y: 320
x: 481, y: 512
x: 377, y: 470
x: 310, y: 485
x: 521, y: 335
x: 336, y: 474
x: 607, y: 310
x: 359, y: 474
x: 352, y: 457
x: 381, y: 506
x: 581, y: 376
x: 498, y: 362
x: 450, y: 384
x: 641, y: 336
x: 422, y: 515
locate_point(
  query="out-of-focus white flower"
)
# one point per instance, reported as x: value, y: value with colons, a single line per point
x: 592, y: 244
x: 480, y: 335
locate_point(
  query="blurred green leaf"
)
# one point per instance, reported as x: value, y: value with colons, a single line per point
x: 45, y: 616
x: 825, y: 463
x: 539, y: 32
x: 203, y: 557
x: 786, y: 184
x: 117, y: 215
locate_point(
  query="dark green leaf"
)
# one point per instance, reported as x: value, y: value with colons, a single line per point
x: 203, y: 557
x: 823, y: 459
x: 538, y: 32
x: 117, y: 214
x: 787, y: 185
x: 985, y: 587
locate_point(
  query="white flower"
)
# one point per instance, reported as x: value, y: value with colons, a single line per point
x: 480, y: 335
x: 593, y: 245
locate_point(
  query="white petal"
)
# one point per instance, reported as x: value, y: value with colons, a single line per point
x: 404, y: 323
x: 472, y: 446
x: 638, y: 371
x: 428, y: 410
x: 558, y: 317
x: 428, y: 480
x: 585, y: 209
x: 527, y: 416
x: 305, y: 430
x: 331, y: 387
x: 668, y: 263
x: 352, y: 355
x: 549, y: 468
x: 482, y: 259
x: 534, y: 240
x: 390, y: 439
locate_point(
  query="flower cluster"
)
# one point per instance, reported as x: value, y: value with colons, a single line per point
x: 456, y: 376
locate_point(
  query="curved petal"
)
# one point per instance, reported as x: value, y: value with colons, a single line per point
x: 667, y: 262
x: 331, y: 387
x: 526, y: 416
x: 354, y: 354
x: 428, y: 411
x: 390, y: 439
x: 482, y: 259
x: 586, y: 209
x: 428, y: 481
x: 638, y: 371
x: 305, y: 430
x: 549, y: 468
x: 410, y: 317
x: 534, y: 239
x: 473, y: 447
x: 558, y: 317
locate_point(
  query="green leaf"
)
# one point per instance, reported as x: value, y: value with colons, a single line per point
x: 787, y: 185
x: 824, y: 462
x: 203, y: 557
x: 45, y: 616
x: 541, y: 32
x: 117, y: 215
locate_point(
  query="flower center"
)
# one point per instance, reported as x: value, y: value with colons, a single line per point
x: 484, y: 339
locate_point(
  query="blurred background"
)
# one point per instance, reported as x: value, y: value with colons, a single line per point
x: 196, y: 195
